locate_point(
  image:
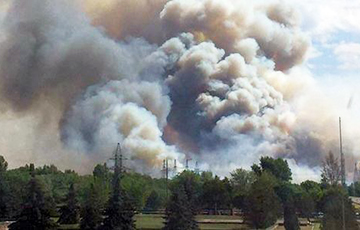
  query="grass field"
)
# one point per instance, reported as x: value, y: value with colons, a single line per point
x: 207, y: 222
x: 155, y: 222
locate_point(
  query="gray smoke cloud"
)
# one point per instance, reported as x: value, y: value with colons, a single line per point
x: 218, y: 81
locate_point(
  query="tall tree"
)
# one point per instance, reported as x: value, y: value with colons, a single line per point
x: 153, y: 202
x: 179, y: 215
x: 241, y: 181
x: 288, y: 194
x: 279, y: 168
x: 70, y: 211
x: 34, y: 215
x: 310, y: 198
x: 191, y: 182
x: 3, y: 188
x: 263, y: 206
x: 337, y: 205
x: 90, y: 212
x: 215, y: 194
x: 331, y: 170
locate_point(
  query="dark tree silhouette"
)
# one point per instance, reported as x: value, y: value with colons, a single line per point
x: 70, y: 211
x: 34, y: 214
x: 3, y: 188
x: 335, y: 198
x: 153, y: 202
x: 262, y: 206
x: 90, y: 212
x: 179, y: 215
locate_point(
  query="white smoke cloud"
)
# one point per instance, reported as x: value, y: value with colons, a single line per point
x: 222, y: 81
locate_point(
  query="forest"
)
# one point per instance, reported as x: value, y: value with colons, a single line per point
x: 47, y: 198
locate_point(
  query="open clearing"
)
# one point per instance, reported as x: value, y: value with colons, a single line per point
x: 207, y: 222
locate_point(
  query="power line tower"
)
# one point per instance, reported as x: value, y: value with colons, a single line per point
x: 187, y: 163
x: 118, y: 159
x: 197, y: 169
x: 165, y: 170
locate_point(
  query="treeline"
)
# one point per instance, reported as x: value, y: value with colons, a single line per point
x: 106, y: 199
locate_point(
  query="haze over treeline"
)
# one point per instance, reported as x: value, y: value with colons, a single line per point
x: 222, y: 82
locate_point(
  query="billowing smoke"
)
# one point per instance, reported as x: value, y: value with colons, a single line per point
x: 219, y: 81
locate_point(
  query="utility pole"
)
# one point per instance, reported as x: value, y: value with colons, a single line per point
x: 342, y: 171
x: 197, y: 170
x: 342, y: 159
x: 187, y: 163
x: 175, y: 168
x: 166, y: 175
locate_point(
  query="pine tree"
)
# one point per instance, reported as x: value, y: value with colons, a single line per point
x: 153, y: 202
x: 90, y: 212
x: 291, y: 221
x: 120, y: 212
x: 3, y: 188
x: 263, y: 206
x: 335, y: 198
x: 179, y: 214
x: 70, y: 212
x: 34, y: 215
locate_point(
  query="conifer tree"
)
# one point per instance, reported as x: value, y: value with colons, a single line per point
x: 179, y: 214
x: 70, y: 212
x: 90, y: 212
x: 34, y: 215
x: 3, y: 188
x: 263, y: 206
x: 336, y: 205
x: 291, y: 221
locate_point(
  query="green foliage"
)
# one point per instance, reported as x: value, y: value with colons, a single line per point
x: 90, y: 211
x: 138, y: 187
x: 153, y: 202
x: 34, y: 214
x: 334, y: 200
x: 16, y: 181
x: 311, y: 196
x: 262, y: 204
x: 4, y: 189
x: 279, y: 168
x: 215, y: 194
x: 70, y: 211
x: 192, y: 185
x: 289, y: 194
x: 291, y: 221
x: 241, y: 181
x: 179, y: 214
x: 102, y: 183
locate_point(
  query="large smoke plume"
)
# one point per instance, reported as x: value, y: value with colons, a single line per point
x: 222, y: 82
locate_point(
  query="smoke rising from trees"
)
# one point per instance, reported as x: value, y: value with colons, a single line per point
x: 221, y: 81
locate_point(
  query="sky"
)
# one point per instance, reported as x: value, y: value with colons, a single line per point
x: 334, y: 29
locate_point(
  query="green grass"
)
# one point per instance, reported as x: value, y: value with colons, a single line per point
x: 155, y: 222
